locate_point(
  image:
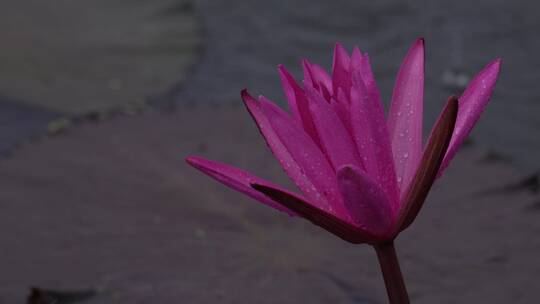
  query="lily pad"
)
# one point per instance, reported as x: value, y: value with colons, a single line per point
x: 76, y: 57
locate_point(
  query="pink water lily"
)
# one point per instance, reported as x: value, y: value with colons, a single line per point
x: 356, y: 170
x: 362, y: 177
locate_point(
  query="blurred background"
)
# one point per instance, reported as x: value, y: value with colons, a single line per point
x: 100, y: 101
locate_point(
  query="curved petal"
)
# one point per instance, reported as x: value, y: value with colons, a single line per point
x: 371, y: 137
x: 237, y: 179
x: 365, y: 200
x: 356, y: 60
x: 335, y: 225
x: 318, y: 78
x: 288, y: 85
x: 471, y: 105
x: 341, y: 104
x: 369, y: 81
x: 298, y: 102
x: 280, y: 151
x: 336, y: 141
x: 429, y: 166
x: 340, y: 69
x: 405, y: 119
x: 299, y: 156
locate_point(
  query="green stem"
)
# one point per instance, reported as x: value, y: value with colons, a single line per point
x: 395, y: 286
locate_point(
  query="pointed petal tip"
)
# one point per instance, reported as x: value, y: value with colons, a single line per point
x: 194, y: 161
x: 453, y: 107
x: 496, y: 64
x: 244, y: 93
x: 420, y: 43
x: 453, y: 99
x: 247, y: 98
x: 189, y: 159
x: 418, y: 46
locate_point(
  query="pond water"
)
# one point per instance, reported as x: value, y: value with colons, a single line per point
x: 247, y: 39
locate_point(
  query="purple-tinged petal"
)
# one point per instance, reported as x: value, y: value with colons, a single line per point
x: 471, y: 105
x: 302, y: 159
x: 405, y: 119
x: 429, y: 166
x: 297, y: 100
x: 356, y: 60
x: 336, y: 141
x: 331, y: 223
x: 340, y: 69
x: 288, y: 85
x: 293, y: 169
x: 308, y: 74
x: 341, y: 104
x: 237, y: 179
x: 369, y: 81
x: 318, y: 78
x: 365, y: 200
x: 371, y: 137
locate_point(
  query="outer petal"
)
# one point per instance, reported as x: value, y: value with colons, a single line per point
x: 299, y: 156
x: 366, y: 201
x: 429, y: 166
x: 405, y: 119
x: 288, y: 85
x: 371, y: 137
x: 335, y: 225
x: 293, y: 169
x: 237, y: 179
x: 471, y: 105
x: 298, y: 103
x: 336, y: 142
x: 340, y: 69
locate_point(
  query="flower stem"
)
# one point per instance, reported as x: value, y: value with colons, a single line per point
x: 395, y: 286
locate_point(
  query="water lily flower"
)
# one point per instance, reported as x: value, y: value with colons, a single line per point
x: 362, y: 177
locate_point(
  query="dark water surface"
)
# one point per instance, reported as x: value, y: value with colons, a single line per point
x: 247, y: 39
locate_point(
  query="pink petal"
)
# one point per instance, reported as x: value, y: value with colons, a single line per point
x: 405, y: 119
x: 298, y: 102
x: 289, y: 164
x: 429, y: 166
x: 288, y: 85
x: 471, y: 105
x: 342, y: 228
x: 336, y: 141
x: 341, y: 105
x: 356, y: 60
x: 340, y: 69
x: 237, y: 179
x: 299, y: 156
x: 369, y: 81
x: 366, y: 201
x: 371, y: 137
x: 317, y: 77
